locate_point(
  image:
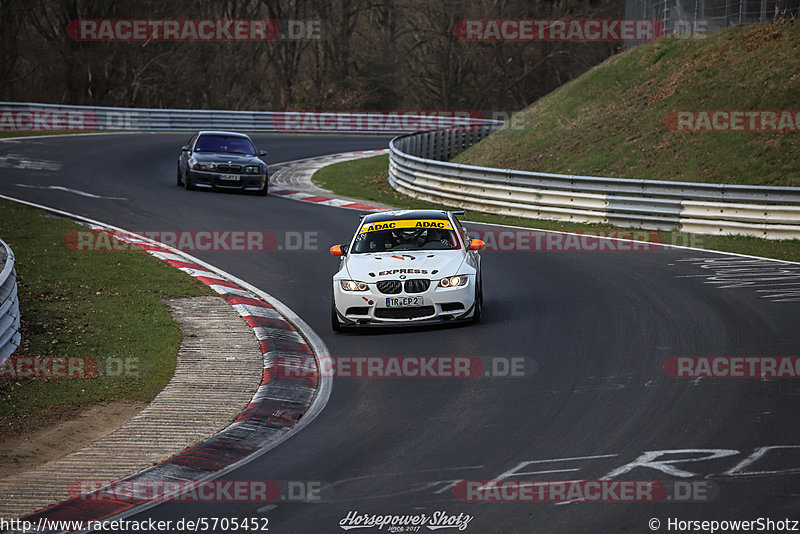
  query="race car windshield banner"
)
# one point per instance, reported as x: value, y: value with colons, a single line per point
x: 392, y: 225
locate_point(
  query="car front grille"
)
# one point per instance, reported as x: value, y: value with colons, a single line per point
x: 417, y: 286
x: 225, y: 167
x: 404, y: 313
x: 389, y: 287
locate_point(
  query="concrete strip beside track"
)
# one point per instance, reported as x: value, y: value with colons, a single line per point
x: 218, y: 370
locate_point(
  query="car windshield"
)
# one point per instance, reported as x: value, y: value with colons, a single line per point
x: 405, y: 239
x: 224, y: 143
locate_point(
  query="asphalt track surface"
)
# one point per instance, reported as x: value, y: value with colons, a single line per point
x: 593, y: 329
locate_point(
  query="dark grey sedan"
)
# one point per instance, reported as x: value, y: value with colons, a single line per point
x: 222, y: 160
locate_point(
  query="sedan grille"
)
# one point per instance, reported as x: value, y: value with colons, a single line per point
x: 417, y: 286
x: 404, y: 313
x: 389, y: 287
x: 225, y: 167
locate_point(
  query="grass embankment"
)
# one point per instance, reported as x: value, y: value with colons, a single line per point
x: 611, y: 120
x: 106, y: 306
x: 367, y: 179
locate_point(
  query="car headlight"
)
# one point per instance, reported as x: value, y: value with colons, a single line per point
x: 353, y: 285
x: 454, y: 281
x: 204, y: 166
x: 253, y: 169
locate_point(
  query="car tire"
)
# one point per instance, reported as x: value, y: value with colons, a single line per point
x: 335, y: 324
x: 476, y: 315
x: 263, y: 191
x: 187, y: 183
x: 180, y: 182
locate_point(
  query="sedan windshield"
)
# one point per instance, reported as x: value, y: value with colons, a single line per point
x: 405, y: 239
x: 224, y: 143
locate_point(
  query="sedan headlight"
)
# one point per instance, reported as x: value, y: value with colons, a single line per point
x: 204, y: 166
x: 454, y: 281
x: 353, y: 285
x: 253, y: 169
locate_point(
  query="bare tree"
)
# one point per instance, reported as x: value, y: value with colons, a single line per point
x: 371, y: 54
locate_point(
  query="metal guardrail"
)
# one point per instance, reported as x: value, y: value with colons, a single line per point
x: 9, y: 304
x: 24, y: 116
x: 417, y: 169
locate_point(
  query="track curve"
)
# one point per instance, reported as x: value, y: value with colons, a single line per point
x: 594, y: 330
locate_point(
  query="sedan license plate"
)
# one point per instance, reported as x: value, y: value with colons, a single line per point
x: 229, y: 177
x: 403, y: 302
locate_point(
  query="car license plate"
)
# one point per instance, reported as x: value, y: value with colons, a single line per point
x: 229, y: 177
x: 403, y: 302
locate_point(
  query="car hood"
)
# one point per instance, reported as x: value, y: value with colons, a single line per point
x: 223, y: 157
x: 371, y: 267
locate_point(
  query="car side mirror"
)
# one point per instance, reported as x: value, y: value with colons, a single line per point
x: 340, y: 250
x: 262, y: 153
x: 185, y: 148
x: 476, y: 244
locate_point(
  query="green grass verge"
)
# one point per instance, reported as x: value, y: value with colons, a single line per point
x: 103, y: 305
x: 367, y: 179
x: 611, y: 121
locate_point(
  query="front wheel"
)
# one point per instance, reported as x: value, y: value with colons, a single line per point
x: 335, y: 324
x: 180, y: 182
x: 188, y: 184
x: 476, y: 315
x: 264, y: 189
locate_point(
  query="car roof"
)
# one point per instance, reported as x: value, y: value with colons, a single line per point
x: 219, y: 132
x: 402, y: 215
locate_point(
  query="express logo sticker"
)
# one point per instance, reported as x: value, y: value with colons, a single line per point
x: 391, y: 225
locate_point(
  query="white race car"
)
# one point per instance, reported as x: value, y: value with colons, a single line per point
x: 407, y: 267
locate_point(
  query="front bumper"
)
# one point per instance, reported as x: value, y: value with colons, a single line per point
x: 439, y: 305
x: 213, y: 180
